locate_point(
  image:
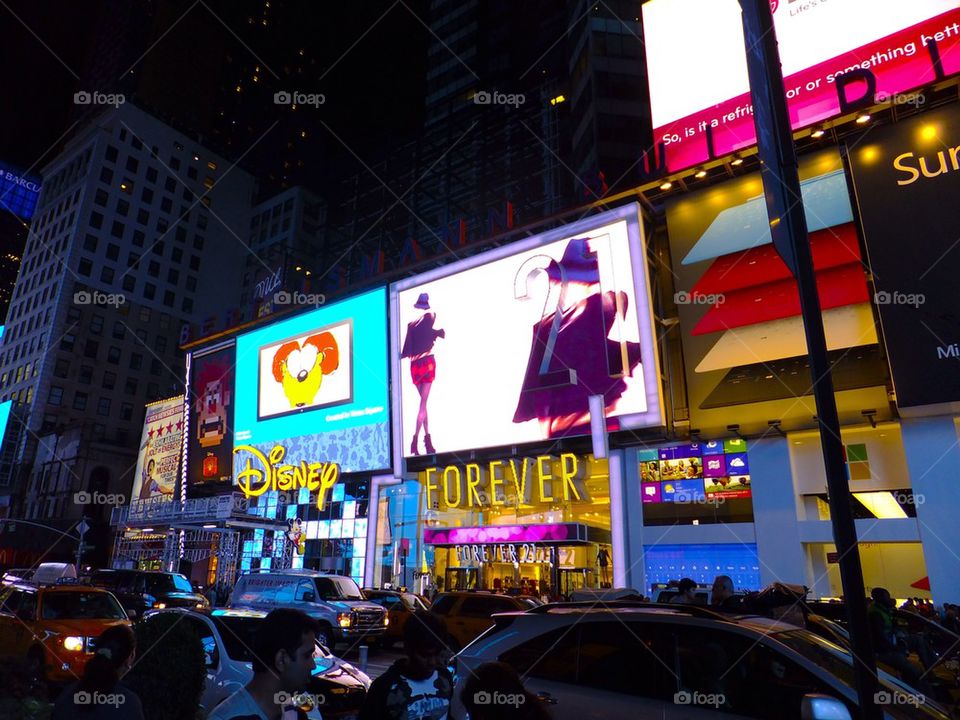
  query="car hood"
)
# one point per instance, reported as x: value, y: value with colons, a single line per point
x: 347, y: 605
x: 87, y: 627
x: 181, y: 597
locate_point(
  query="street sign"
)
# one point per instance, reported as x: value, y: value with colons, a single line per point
x: 83, y: 526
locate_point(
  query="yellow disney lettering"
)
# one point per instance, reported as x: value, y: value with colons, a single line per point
x: 272, y: 475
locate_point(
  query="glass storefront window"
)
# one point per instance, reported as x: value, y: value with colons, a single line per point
x: 538, y: 526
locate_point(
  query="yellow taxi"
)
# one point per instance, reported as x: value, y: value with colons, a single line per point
x: 55, y: 627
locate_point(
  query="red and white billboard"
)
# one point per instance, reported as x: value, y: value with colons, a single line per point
x: 697, y: 68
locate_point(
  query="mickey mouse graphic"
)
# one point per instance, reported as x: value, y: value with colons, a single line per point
x: 295, y: 534
x: 300, y: 369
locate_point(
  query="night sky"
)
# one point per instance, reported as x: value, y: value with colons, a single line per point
x: 45, y: 46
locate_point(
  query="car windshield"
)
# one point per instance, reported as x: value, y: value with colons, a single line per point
x: 239, y: 635
x: 81, y: 605
x: 337, y: 588
x: 162, y: 583
x: 414, y: 603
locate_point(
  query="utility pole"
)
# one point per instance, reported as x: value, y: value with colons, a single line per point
x: 788, y: 228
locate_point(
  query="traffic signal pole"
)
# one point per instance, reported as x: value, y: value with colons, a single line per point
x: 788, y: 227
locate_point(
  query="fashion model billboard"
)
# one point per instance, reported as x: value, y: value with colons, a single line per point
x: 212, y: 397
x: 697, y: 70
x: 907, y: 182
x: 739, y: 308
x: 508, y: 346
x: 316, y: 383
x: 158, y: 460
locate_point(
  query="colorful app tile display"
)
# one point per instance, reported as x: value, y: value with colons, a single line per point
x: 695, y: 472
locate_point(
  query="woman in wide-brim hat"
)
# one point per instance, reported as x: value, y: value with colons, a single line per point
x: 571, y: 354
x: 418, y: 346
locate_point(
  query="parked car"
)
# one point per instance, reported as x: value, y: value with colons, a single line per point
x: 399, y: 607
x: 55, y: 627
x: 227, y: 637
x: 142, y: 590
x: 676, y: 661
x: 335, y: 601
x: 469, y: 613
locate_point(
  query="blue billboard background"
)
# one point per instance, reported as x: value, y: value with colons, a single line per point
x: 352, y: 430
x: 19, y: 193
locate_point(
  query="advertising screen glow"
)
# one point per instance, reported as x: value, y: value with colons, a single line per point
x: 317, y: 384
x: 507, y: 347
x: 699, y: 92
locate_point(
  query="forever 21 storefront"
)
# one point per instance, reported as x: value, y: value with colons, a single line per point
x: 500, y: 362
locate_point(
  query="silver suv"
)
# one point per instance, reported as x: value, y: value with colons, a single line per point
x: 334, y: 601
x: 632, y: 660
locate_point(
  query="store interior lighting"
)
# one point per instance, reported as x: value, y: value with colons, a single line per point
x: 883, y: 505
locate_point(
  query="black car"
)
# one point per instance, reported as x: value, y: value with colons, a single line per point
x: 142, y: 590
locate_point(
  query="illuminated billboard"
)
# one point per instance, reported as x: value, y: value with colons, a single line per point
x: 742, y: 334
x: 507, y: 347
x: 212, y: 397
x: 158, y: 459
x: 316, y: 383
x: 697, y: 70
x: 19, y: 193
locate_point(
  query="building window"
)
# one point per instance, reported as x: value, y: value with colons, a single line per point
x: 85, y: 267
x: 169, y: 298
x: 153, y: 391
x: 145, y: 314
x: 146, y: 195
x: 90, y: 349
x: 129, y: 283
x: 138, y: 238
x: 96, y: 220
x: 96, y: 324
x: 118, y: 330
x: 100, y: 197
x: 156, y: 368
x: 126, y: 411
x: 111, y: 154
x: 106, y: 175
x: 136, y: 361
x: 85, y: 375
x: 143, y: 217
x: 56, y: 395
x: 187, y: 305
x: 109, y: 380
x: 130, y: 386
x: 173, y: 276
x: 90, y: 243
x: 67, y: 342
x: 160, y: 344
x: 151, y: 174
x: 103, y: 406
x: 117, y: 229
x: 149, y: 291
x: 61, y: 368
x: 80, y: 401
x: 106, y: 274
x: 123, y: 207
x: 113, y: 355
x: 132, y: 164
x: 195, y: 262
x: 153, y: 268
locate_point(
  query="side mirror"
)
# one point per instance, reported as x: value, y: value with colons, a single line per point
x: 309, y: 596
x: 822, y: 707
x: 132, y: 614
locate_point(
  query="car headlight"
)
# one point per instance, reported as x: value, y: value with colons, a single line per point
x: 386, y: 621
x: 73, y: 643
x: 160, y: 605
x: 344, y: 620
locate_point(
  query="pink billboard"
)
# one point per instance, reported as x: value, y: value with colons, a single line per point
x: 699, y: 91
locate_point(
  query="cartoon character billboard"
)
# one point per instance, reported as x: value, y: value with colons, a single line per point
x: 508, y: 346
x: 211, y: 417
x: 316, y: 383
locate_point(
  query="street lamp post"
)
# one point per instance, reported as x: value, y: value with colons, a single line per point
x: 788, y: 228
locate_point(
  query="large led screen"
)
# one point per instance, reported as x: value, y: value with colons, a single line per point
x: 697, y: 70
x: 210, y: 440
x: 741, y: 329
x: 506, y: 347
x: 317, y: 384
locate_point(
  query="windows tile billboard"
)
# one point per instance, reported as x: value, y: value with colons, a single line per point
x: 317, y: 384
x: 506, y: 347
